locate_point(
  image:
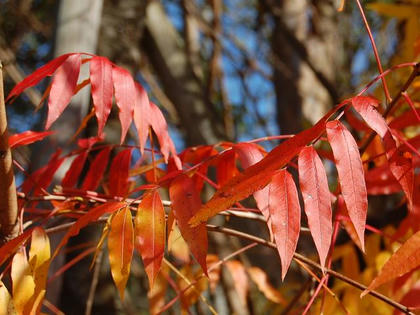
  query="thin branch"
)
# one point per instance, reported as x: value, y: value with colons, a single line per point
x: 8, y: 199
x: 94, y: 283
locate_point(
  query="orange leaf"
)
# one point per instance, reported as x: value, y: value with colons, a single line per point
x: 39, y: 260
x: 317, y: 200
x: 259, y: 175
x: 240, y: 279
x: 285, y: 216
x: 23, y: 283
x: 120, y: 246
x: 150, y: 233
x: 261, y: 280
x: 185, y: 203
x: 350, y: 171
x: 405, y: 259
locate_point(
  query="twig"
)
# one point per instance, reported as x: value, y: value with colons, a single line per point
x: 404, y: 88
x: 94, y: 283
x: 313, y: 264
x: 8, y: 199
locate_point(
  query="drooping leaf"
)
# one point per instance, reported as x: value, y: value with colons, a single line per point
x: 365, y: 106
x: 23, y: 283
x: 141, y: 115
x: 226, y: 167
x: 102, y: 89
x: 156, y: 295
x: 32, y: 79
x: 150, y: 233
x: 73, y: 173
x: 261, y: 280
x: 317, y: 200
x: 185, y: 203
x: 125, y: 95
x: 6, y: 301
x: 120, y: 246
x: 240, y: 279
x: 27, y: 137
x: 118, y: 174
x: 259, y: 175
x: 96, y: 170
x: 63, y: 85
x: 160, y: 127
x: 39, y: 260
x: 91, y: 216
x: 350, y: 172
x: 11, y: 246
x: 405, y: 259
x: 285, y: 216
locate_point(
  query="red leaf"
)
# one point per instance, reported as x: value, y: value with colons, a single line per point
x: 91, y: 216
x: 405, y: 259
x: 185, y: 203
x: 226, y: 167
x: 120, y: 246
x: 350, y: 172
x: 317, y: 200
x: 141, y: 116
x: 32, y: 79
x: 42, y: 178
x: 364, y: 105
x: 259, y: 175
x: 96, y: 170
x: 73, y: 173
x: 150, y: 233
x: 411, y: 298
x: 12, y: 246
x: 249, y: 154
x: 27, y: 137
x: 160, y: 127
x: 101, y: 81
x: 285, y: 216
x: 125, y: 95
x: 119, y: 173
x: 63, y: 85
x: 407, y: 119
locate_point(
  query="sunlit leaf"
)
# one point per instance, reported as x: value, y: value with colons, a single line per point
x: 23, y: 283
x: 285, y: 216
x: 316, y: 197
x: 27, y: 137
x: 120, y: 246
x: 150, y: 233
x: 350, y: 172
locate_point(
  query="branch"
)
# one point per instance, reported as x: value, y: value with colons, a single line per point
x: 8, y: 200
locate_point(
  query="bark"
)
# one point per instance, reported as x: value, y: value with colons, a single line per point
x: 8, y: 201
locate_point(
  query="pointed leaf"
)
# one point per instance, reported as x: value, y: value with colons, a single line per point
x: 39, y: 260
x: 405, y: 259
x: 125, y: 95
x: 150, y: 233
x: 317, y: 200
x: 240, y: 279
x: 72, y: 175
x: 365, y: 106
x: 91, y: 216
x: 27, y: 137
x: 350, y: 172
x: 118, y: 174
x: 120, y: 246
x: 62, y: 89
x: 6, y: 302
x: 141, y: 115
x: 23, y: 283
x: 185, y: 203
x: 32, y: 79
x: 96, y: 170
x: 102, y: 89
x: 259, y: 175
x: 285, y: 216
x: 226, y: 167
x: 11, y: 246
x: 261, y: 280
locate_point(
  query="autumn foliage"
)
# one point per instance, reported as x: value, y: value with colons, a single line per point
x: 144, y: 193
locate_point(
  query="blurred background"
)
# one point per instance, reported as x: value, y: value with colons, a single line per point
x: 219, y: 69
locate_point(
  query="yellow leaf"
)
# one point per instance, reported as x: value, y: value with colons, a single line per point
x: 23, y: 283
x: 39, y: 258
x: 6, y: 303
x: 261, y: 280
x: 177, y: 245
x: 120, y: 246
